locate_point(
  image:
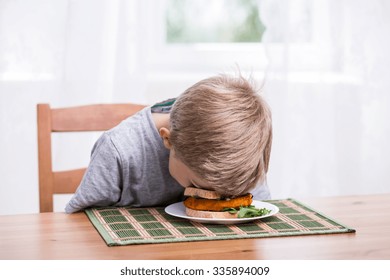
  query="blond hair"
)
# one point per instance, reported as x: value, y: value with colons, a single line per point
x: 221, y: 129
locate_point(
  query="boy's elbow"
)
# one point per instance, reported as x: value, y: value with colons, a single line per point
x: 69, y: 209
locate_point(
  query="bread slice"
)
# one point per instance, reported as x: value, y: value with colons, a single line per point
x: 210, y: 214
x: 201, y: 193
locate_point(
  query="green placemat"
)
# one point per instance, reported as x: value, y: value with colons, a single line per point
x: 126, y: 225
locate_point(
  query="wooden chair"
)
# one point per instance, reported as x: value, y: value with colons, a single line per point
x: 73, y: 119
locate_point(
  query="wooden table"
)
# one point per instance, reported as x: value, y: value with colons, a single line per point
x: 62, y: 236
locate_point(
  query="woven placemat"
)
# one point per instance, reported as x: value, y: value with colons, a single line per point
x: 125, y: 225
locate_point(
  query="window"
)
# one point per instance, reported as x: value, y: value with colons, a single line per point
x: 193, y: 36
x: 185, y: 36
x: 213, y: 21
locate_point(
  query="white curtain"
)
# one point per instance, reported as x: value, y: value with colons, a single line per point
x: 65, y: 53
x: 329, y: 88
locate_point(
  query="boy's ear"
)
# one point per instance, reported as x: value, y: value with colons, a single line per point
x: 165, y: 135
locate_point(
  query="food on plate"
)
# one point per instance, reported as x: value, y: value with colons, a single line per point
x: 203, y: 203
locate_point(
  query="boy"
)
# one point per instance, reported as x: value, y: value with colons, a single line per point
x: 217, y: 135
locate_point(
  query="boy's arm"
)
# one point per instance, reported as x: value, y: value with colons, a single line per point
x: 101, y: 183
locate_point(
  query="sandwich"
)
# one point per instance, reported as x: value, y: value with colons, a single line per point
x: 209, y: 204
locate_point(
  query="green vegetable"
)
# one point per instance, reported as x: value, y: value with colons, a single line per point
x: 248, y: 212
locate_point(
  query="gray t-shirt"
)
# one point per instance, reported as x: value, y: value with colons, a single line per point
x: 129, y: 167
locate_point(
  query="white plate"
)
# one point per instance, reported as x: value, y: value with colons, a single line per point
x: 178, y: 210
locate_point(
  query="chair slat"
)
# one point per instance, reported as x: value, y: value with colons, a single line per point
x: 66, y: 182
x: 99, y: 117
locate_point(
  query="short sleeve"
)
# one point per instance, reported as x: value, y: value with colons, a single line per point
x: 101, y: 183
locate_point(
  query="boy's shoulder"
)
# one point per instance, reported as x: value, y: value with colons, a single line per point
x: 135, y: 122
x: 134, y: 131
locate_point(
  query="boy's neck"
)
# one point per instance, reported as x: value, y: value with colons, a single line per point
x: 160, y: 120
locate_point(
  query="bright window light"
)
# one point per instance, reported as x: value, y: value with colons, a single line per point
x: 213, y: 21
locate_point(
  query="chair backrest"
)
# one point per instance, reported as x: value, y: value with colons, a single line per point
x: 99, y: 117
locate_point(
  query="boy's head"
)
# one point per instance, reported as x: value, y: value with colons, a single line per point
x: 220, y: 128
